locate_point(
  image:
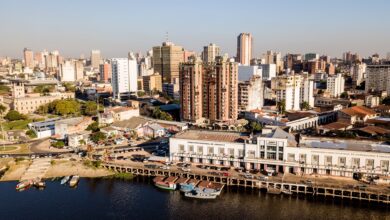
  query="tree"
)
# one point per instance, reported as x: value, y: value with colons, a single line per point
x: 44, y: 89
x: 98, y: 136
x: 14, y: 115
x: 305, y: 105
x: 69, y: 87
x: 90, y: 108
x: 158, y: 114
x: 344, y: 95
x: 31, y: 133
x: 140, y: 93
x: 94, y: 127
x: 58, y: 144
x: 255, y: 126
x: 2, y: 109
x: 281, y: 106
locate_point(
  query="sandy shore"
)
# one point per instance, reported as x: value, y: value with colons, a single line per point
x: 59, y: 168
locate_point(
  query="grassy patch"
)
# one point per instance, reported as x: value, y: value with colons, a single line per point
x: 16, y: 125
x: 23, y: 149
x: 91, y: 164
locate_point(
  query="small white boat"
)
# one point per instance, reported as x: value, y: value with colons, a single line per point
x: 65, y: 180
x: 200, y: 195
x: 287, y: 192
x: 73, y: 182
x: 276, y: 191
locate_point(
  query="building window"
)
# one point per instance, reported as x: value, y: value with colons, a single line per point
x: 302, y: 158
x: 290, y: 157
x: 342, y: 161
x: 355, y: 163
x: 231, y: 152
x: 221, y: 151
x: 328, y: 160
x: 369, y: 163
x: 211, y: 150
x: 191, y: 148
x: 240, y: 153
x: 271, y: 156
x: 262, y: 154
x: 315, y: 160
x: 251, y: 154
x: 200, y: 149
x: 181, y: 148
x: 385, y: 165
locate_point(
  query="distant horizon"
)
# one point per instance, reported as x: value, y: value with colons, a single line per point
x: 118, y: 27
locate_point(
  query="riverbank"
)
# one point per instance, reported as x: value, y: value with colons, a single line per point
x: 58, y: 168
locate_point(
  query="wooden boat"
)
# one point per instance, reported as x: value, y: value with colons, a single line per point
x: 165, y: 185
x: 65, y: 180
x: 24, y: 185
x: 73, y: 182
x: 209, y: 191
x: 274, y: 191
x: 186, y: 187
x: 200, y: 195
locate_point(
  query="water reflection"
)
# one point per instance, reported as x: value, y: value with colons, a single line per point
x: 139, y: 199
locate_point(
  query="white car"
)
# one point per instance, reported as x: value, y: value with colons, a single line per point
x: 185, y: 169
x: 165, y: 167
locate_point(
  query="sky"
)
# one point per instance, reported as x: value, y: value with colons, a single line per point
x: 75, y: 27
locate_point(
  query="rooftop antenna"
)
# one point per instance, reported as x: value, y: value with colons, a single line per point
x: 166, y: 36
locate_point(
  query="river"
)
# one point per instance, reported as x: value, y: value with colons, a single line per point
x: 139, y: 199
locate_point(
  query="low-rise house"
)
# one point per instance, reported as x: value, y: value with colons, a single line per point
x: 356, y: 115
x: 68, y: 126
x: 373, y: 131
x: 123, y: 113
x: 79, y: 138
x: 383, y: 110
x: 334, y: 126
x: 106, y: 118
x: 44, y: 128
x: 133, y: 125
x: 154, y: 130
x: 109, y: 131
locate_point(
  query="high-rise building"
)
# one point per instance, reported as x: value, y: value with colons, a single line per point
x: 79, y: 69
x: 166, y: 60
x: 335, y: 85
x: 39, y: 59
x: 274, y: 58
x: 311, y: 56
x: 378, y: 78
x: 105, y: 72
x: 152, y: 82
x: 287, y: 89
x: 210, y: 52
x: 268, y: 71
x: 67, y: 72
x: 191, y: 90
x: 124, y: 76
x: 212, y: 86
x: 244, y: 48
x: 28, y: 58
x: 250, y: 94
x: 307, y: 90
x: 358, y: 71
x: 95, y: 59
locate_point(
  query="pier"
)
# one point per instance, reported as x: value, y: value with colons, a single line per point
x: 37, y: 169
x: 294, y: 188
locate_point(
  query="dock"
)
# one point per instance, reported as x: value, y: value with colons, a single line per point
x: 37, y: 169
x: 294, y: 188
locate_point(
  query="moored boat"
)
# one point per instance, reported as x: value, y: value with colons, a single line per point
x: 24, y: 185
x: 212, y: 191
x: 65, y: 180
x: 73, y: 182
x: 200, y: 195
x: 186, y: 187
x: 165, y: 185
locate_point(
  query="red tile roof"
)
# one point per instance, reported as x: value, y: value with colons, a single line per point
x: 359, y: 111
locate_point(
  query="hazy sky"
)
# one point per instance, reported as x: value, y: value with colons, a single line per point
x: 115, y: 27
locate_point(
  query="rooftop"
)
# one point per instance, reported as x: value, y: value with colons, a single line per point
x: 131, y: 123
x: 217, y: 136
x: 351, y: 145
x: 358, y: 111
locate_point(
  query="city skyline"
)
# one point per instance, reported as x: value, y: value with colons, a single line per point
x: 296, y: 27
